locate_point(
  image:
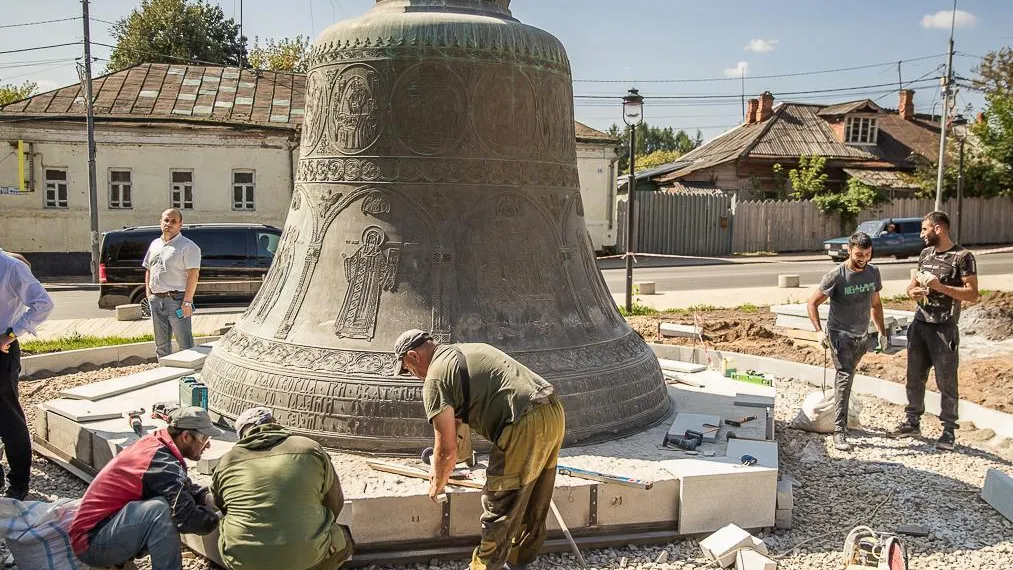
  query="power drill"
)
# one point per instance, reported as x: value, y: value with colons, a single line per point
x: 689, y: 440
x: 134, y: 417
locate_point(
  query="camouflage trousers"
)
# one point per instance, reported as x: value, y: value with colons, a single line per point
x: 519, y: 485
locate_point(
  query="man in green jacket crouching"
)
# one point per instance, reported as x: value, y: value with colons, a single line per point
x: 281, y: 497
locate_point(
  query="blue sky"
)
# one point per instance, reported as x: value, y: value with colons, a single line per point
x: 633, y: 43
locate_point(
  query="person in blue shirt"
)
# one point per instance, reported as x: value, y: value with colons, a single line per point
x: 24, y: 304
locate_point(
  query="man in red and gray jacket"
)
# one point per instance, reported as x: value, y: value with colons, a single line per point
x: 143, y: 499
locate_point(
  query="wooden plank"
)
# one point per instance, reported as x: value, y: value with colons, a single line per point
x: 421, y: 474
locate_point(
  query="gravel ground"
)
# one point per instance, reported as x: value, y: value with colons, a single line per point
x: 882, y: 483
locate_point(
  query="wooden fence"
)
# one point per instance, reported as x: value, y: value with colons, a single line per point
x: 787, y: 225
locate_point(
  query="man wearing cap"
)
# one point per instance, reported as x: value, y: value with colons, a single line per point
x: 515, y: 409
x: 143, y: 499
x: 281, y: 497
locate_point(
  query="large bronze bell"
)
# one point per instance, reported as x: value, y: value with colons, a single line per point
x: 436, y: 189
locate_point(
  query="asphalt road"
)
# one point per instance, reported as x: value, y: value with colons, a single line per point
x: 734, y: 275
x: 81, y: 304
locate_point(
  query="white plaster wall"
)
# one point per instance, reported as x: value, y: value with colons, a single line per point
x: 596, y: 167
x: 150, y: 153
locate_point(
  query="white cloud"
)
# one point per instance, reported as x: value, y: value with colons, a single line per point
x: 942, y: 19
x: 740, y: 69
x: 760, y: 45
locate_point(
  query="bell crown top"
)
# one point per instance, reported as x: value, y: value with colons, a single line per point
x: 493, y: 6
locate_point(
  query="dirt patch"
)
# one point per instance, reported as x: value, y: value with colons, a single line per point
x: 991, y: 317
x: 986, y: 381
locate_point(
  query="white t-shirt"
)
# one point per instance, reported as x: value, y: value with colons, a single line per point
x: 167, y: 262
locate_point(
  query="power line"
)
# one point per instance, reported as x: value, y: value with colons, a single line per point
x: 772, y: 76
x: 736, y: 96
x: 39, y: 47
x: 94, y: 19
x: 39, y: 22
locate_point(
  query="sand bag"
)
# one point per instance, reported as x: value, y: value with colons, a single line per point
x: 817, y: 413
x: 38, y: 533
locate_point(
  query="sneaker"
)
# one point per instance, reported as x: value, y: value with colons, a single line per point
x: 17, y: 493
x: 841, y: 442
x: 946, y: 441
x: 906, y: 429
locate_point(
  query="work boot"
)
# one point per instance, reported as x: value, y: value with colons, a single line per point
x: 947, y: 441
x: 841, y: 442
x: 17, y: 493
x: 906, y: 429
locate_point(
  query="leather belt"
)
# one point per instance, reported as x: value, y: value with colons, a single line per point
x: 168, y: 294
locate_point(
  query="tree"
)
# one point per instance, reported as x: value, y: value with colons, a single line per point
x: 286, y: 54
x: 809, y: 182
x: 995, y: 72
x: 995, y: 134
x: 650, y: 140
x: 657, y: 158
x: 10, y: 92
x: 176, y: 31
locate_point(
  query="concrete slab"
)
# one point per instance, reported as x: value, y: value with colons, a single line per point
x: 765, y: 452
x: 619, y: 505
x: 388, y: 519
x: 465, y: 510
x: 82, y: 410
x: 714, y: 492
x: 753, y: 560
x: 123, y: 384
x: 679, y: 366
x: 782, y: 519
x: 674, y: 330
x: 68, y: 437
x: 721, y: 546
x: 574, y: 504
x: 192, y: 358
x: 701, y: 423
x: 998, y: 492
x: 785, y: 495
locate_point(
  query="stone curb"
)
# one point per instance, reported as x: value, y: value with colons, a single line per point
x: 121, y: 354
x: 999, y: 422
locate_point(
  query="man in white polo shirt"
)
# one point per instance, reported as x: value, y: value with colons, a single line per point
x: 172, y: 266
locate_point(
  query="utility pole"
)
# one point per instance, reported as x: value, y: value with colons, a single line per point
x: 944, y: 115
x: 92, y: 182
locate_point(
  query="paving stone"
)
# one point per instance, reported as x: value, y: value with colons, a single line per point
x: 998, y: 492
x: 124, y: 384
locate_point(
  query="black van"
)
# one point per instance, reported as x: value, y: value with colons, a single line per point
x: 234, y: 260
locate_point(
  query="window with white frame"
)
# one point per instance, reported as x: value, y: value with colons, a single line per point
x: 120, y: 189
x: 56, y: 188
x: 860, y: 130
x: 181, y: 189
x: 243, y: 185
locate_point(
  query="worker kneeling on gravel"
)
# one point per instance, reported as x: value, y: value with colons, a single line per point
x: 143, y: 499
x: 853, y: 289
x: 515, y: 409
x: 281, y: 498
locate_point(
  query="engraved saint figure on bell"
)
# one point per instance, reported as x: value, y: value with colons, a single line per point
x: 357, y: 124
x: 370, y: 271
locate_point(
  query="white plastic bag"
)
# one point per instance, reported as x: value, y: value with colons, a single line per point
x: 817, y: 412
x: 38, y: 533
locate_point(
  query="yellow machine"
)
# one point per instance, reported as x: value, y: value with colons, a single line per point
x: 865, y: 548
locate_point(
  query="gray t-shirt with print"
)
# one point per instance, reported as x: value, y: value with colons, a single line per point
x: 850, y: 294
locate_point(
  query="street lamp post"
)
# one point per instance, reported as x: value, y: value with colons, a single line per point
x: 633, y: 115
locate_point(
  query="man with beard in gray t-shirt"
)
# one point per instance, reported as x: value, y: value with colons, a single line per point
x: 853, y: 290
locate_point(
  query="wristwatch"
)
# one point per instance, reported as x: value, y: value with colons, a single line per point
x: 188, y: 304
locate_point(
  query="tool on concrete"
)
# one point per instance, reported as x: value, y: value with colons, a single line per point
x: 689, y: 440
x: 161, y: 410
x: 566, y: 533
x: 134, y: 418
x: 738, y: 422
x: 915, y: 530
x: 866, y: 548
x: 604, y: 477
x: 747, y: 460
